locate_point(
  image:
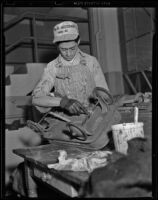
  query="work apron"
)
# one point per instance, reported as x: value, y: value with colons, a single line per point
x: 75, y: 82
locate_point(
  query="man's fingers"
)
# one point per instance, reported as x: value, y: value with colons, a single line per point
x: 103, y: 95
x: 73, y: 109
x: 105, y: 99
x: 82, y: 109
x: 77, y: 108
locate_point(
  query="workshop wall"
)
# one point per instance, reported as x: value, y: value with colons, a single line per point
x: 23, y: 53
x: 139, y: 28
x: 106, y: 46
x: 122, y: 42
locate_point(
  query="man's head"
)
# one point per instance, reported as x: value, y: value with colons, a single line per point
x: 66, y: 37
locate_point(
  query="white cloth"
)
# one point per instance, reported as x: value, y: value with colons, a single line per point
x: 87, y: 161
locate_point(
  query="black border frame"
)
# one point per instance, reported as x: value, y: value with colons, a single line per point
x: 109, y: 3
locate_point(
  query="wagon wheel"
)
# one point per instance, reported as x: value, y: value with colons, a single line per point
x: 83, y: 133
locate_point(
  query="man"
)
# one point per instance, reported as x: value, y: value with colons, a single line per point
x: 73, y: 75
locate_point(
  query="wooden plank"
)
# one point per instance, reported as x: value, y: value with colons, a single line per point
x: 23, y: 84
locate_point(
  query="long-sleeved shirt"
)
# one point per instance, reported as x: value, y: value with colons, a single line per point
x: 48, y: 80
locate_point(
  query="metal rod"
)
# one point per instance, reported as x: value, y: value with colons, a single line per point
x: 130, y: 83
x: 17, y: 43
x: 139, y: 36
x: 41, y: 43
x: 136, y: 112
x: 138, y: 82
x: 35, y: 47
x: 14, y: 21
x: 41, y: 17
x: 90, y: 31
x: 60, y: 117
x: 146, y: 79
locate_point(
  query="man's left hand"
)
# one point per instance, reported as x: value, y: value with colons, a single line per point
x: 103, y: 95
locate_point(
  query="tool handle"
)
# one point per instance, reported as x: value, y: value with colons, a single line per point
x: 136, y: 114
x: 60, y: 117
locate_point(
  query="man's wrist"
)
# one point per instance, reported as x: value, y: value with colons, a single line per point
x: 64, y: 102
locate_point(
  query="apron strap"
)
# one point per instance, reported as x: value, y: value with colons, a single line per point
x: 58, y: 63
x: 83, y: 60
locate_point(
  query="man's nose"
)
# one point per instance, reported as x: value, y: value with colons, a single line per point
x: 68, y: 52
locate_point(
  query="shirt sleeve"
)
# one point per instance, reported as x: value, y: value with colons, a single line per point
x: 46, y: 83
x: 99, y: 75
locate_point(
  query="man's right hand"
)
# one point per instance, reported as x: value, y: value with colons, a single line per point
x: 72, y: 106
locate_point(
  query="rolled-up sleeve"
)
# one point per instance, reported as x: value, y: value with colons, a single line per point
x: 99, y: 75
x: 46, y: 83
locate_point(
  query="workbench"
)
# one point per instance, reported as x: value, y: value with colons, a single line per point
x: 67, y: 182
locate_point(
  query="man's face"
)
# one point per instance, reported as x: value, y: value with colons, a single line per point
x: 68, y: 50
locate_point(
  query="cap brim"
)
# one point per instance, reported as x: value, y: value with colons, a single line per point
x: 65, y: 38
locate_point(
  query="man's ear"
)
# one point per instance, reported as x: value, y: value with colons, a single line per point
x: 78, y: 42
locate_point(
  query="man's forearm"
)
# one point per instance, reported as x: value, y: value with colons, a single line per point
x: 46, y: 101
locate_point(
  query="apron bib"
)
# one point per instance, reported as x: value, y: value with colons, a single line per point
x: 75, y: 81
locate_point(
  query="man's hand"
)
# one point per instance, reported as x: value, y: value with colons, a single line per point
x: 72, y: 106
x: 103, y: 95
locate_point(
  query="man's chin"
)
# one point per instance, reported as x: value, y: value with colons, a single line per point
x: 68, y: 59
